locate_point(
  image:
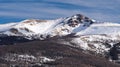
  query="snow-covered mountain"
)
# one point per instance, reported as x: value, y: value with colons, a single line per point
x: 77, y: 24
x: 90, y: 35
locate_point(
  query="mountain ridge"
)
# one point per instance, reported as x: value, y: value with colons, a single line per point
x: 63, y: 26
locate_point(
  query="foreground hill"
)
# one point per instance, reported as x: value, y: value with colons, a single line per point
x: 49, y: 54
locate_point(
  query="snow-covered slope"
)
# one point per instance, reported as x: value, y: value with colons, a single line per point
x: 101, y: 28
x: 5, y: 27
x: 31, y: 26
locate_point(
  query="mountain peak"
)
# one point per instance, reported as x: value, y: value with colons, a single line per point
x: 79, y: 19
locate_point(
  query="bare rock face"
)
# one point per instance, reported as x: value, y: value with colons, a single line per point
x: 79, y: 19
x: 115, y: 53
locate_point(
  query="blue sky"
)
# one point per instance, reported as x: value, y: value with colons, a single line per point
x: 17, y: 10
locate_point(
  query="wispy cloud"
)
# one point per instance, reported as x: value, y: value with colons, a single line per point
x: 107, y: 10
